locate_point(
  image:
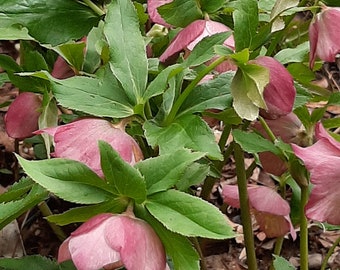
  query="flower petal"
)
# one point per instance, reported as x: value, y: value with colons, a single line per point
x: 153, y: 13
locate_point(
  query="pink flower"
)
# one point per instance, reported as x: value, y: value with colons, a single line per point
x: 153, y: 12
x: 322, y: 159
x: 22, y: 117
x: 79, y: 141
x: 114, y: 241
x: 194, y: 33
x: 269, y: 208
x: 324, y: 36
x: 62, y: 70
x: 280, y: 92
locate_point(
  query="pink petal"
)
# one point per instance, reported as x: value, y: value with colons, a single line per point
x: 272, y: 164
x: 279, y: 94
x: 313, y: 39
x: 183, y: 39
x: 79, y: 141
x: 22, y: 116
x: 153, y: 12
x: 139, y: 246
x: 61, y: 70
x: 230, y: 195
x: 64, y: 252
x: 321, y: 133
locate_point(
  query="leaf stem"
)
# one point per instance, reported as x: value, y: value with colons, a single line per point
x: 329, y: 253
x: 303, y: 229
x: 267, y: 129
x: 189, y: 89
x: 94, y: 7
x: 244, y: 205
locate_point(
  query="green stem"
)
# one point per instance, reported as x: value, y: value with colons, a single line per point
x: 200, y: 253
x: 189, y: 89
x: 267, y: 129
x: 94, y: 7
x: 46, y: 211
x: 245, y: 209
x: 224, y: 137
x: 303, y: 230
x: 329, y: 253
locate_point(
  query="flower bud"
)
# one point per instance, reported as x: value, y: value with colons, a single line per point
x: 324, y: 36
x: 22, y: 117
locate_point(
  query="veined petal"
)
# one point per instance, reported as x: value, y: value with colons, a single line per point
x: 153, y: 13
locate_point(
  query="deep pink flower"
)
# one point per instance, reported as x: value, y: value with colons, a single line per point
x: 324, y: 36
x: 153, y: 13
x: 269, y: 208
x: 279, y: 94
x: 119, y: 240
x: 62, y: 70
x: 22, y: 117
x: 322, y: 159
x: 194, y: 33
x: 79, y: 141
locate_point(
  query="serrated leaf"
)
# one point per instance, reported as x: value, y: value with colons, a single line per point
x: 188, y: 215
x: 73, y: 53
x: 194, y: 174
x: 187, y: 131
x: 17, y: 190
x: 68, y: 179
x: 125, y: 179
x: 81, y: 93
x: 180, y: 12
x: 253, y: 143
x: 211, y: 6
x: 13, y: 209
x: 279, y: 7
x: 214, y: 94
x: 164, y: 171
x: 50, y: 21
x: 281, y: 263
x: 292, y: 55
x: 128, y: 59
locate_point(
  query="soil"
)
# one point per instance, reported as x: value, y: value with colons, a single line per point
x: 36, y: 237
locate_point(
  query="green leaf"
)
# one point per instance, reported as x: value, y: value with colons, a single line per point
x: 279, y: 7
x: 188, y: 215
x: 164, y: 171
x: 84, y: 213
x: 128, y: 59
x: 296, y: 54
x: 73, y: 53
x: 204, y: 50
x: 253, y: 143
x: 194, y: 174
x: 211, y: 6
x: 17, y: 190
x: 214, y: 94
x: 13, y: 209
x: 245, y: 23
x: 247, y: 89
x: 187, y: 131
x: 14, y: 32
x: 9, y: 64
x: 30, y: 58
x: 36, y: 262
x: 101, y: 96
x: 50, y: 21
x: 178, y: 247
x: 68, y: 179
x: 281, y: 263
x: 124, y: 179
x: 180, y: 12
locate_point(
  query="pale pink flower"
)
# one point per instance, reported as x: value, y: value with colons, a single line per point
x: 109, y: 241
x: 188, y: 37
x: 322, y: 160
x: 324, y: 35
x: 271, y: 211
x: 279, y: 94
x: 21, y: 119
x: 78, y: 140
x: 153, y: 12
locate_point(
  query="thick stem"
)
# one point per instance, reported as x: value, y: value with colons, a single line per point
x: 244, y: 205
x: 303, y: 230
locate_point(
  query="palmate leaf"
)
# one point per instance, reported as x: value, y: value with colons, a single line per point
x: 49, y: 22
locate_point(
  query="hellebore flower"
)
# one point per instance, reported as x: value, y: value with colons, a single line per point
x: 324, y: 36
x: 22, y: 117
x: 322, y: 159
x: 271, y: 211
x: 109, y: 240
x: 194, y: 33
x: 153, y: 12
x: 78, y: 140
x: 279, y: 94
x: 61, y: 70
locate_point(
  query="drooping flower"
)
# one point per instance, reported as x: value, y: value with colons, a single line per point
x: 279, y: 94
x: 78, y: 140
x: 21, y: 119
x: 322, y: 159
x: 324, y: 36
x: 112, y: 241
x: 271, y: 211
x: 153, y: 12
x: 193, y: 34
